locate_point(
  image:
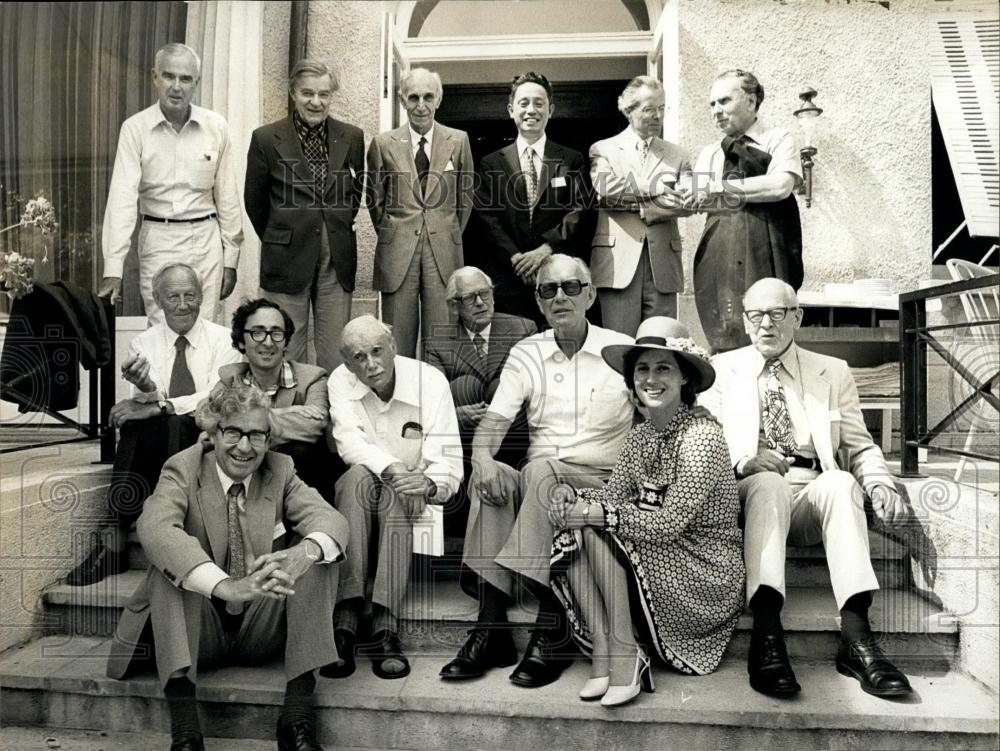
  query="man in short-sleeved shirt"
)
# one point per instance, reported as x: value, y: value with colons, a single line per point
x: 753, y: 231
x: 176, y: 159
x: 578, y: 414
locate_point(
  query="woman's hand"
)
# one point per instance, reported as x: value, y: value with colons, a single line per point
x: 583, y: 514
x: 562, y: 496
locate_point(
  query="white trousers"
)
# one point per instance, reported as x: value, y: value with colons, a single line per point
x: 198, y: 244
x: 827, y: 509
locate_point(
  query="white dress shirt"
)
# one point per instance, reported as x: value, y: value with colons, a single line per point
x: 485, y: 334
x: 537, y: 153
x: 205, y: 577
x: 374, y: 433
x: 578, y: 408
x: 415, y: 141
x: 210, y: 346
x: 182, y: 175
x: 777, y: 142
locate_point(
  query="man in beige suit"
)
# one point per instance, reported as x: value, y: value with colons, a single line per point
x: 232, y: 536
x: 636, y: 255
x: 805, y: 464
x: 420, y: 197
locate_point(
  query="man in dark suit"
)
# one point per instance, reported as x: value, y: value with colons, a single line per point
x: 530, y: 202
x: 420, y: 199
x: 471, y: 352
x: 215, y: 593
x: 303, y: 190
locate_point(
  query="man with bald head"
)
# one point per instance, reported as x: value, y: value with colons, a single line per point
x: 171, y: 367
x: 395, y: 428
x: 806, y: 465
x: 744, y: 182
x: 579, y: 412
x: 471, y: 352
x: 420, y: 198
x: 174, y: 161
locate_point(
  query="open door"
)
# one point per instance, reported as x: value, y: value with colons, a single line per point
x: 663, y: 64
x: 393, y: 63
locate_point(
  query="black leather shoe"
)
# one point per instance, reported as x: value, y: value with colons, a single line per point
x: 386, y: 647
x: 863, y: 659
x: 768, y: 666
x: 299, y: 735
x: 189, y: 742
x: 346, y: 643
x: 100, y: 564
x: 484, y: 649
x: 540, y: 665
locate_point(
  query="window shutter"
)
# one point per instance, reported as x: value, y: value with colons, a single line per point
x: 965, y: 79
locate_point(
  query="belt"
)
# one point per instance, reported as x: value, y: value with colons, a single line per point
x: 148, y: 218
x: 806, y: 462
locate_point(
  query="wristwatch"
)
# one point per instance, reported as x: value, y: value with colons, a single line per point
x: 586, y: 512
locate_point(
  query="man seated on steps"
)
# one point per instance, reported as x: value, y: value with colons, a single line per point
x: 579, y: 413
x: 805, y: 463
x: 171, y: 366
x: 234, y: 538
x: 395, y: 427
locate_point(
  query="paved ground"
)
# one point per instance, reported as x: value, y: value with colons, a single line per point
x: 46, y: 739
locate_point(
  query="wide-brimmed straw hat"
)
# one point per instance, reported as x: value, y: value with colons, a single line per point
x: 669, y: 335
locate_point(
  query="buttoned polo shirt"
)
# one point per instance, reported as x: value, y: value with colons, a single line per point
x: 578, y: 407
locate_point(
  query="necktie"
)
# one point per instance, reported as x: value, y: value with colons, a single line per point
x: 480, y: 344
x: 423, y: 163
x: 237, y: 560
x: 181, y: 380
x: 777, y: 423
x: 643, y: 149
x: 530, y: 179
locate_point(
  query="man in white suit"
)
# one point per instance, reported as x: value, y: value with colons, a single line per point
x: 805, y: 463
x: 636, y: 255
x: 420, y: 198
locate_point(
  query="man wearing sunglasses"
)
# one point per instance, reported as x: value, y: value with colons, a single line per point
x: 579, y: 412
x: 471, y: 353
x: 790, y: 417
x: 170, y: 368
x: 239, y: 549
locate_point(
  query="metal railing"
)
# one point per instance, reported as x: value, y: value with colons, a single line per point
x: 915, y: 336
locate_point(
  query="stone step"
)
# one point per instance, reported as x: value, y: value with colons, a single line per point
x: 436, y: 614
x: 59, y: 682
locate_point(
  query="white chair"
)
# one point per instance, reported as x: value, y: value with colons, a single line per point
x: 979, y: 305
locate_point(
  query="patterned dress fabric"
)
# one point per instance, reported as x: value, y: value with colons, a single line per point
x: 686, y: 557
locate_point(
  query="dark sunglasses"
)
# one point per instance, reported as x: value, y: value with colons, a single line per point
x: 570, y: 288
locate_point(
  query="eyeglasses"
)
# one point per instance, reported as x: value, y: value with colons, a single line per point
x: 257, y: 438
x: 571, y: 288
x: 486, y: 295
x: 259, y: 335
x: 777, y: 315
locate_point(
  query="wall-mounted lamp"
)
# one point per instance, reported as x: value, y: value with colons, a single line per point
x: 806, y: 115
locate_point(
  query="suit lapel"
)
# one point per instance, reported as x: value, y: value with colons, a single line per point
x: 260, y: 510
x: 500, y: 334
x: 336, y: 146
x: 816, y: 391
x: 466, y: 351
x: 512, y: 162
x: 402, y: 149
x: 440, y: 152
x: 744, y: 405
x: 290, y: 150
x: 212, y: 505
x: 550, y: 166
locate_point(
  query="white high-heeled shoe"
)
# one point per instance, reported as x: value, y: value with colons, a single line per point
x: 642, y: 680
x: 595, y: 688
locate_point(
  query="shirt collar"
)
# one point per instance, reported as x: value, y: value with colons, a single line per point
x: 636, y: 138
x: 429, y: 135
x: 286, y: 379
x: 593, y: 344
x: 485, y: 333
x: 789, y: 360
x: 195, y: 337
x: 756, y: 132
x: 305, y: 130
x: 156, y: 117
x: 227, y: 482
x: 408, y: 385
x: 538, y: 146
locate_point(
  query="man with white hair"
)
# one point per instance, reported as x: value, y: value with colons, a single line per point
x: 305, y: 175
x: 395, y: 428
x: 636, y: 254
x: 174, y: 161
x: 420, y: 199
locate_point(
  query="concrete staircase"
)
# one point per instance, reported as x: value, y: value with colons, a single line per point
x: 58, y: 680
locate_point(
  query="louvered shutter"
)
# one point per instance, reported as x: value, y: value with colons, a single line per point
x: 965, y: 70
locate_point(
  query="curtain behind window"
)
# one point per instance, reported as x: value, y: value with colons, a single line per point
x: 70, y: 74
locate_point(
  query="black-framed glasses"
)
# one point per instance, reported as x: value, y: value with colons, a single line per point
x: 259, y: 335
x: 257, y: 438
x: 777, y: 315
x: 486, y: 295
x: 570, y: 288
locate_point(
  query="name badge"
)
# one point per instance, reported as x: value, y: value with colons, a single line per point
x: 558, y: 182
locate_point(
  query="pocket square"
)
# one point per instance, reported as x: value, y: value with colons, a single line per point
x: 450, y: 166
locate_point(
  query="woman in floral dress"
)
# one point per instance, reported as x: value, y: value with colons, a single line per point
x: 664, y: 526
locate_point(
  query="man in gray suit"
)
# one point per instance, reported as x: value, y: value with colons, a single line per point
x: 223, y: 586
x: 420, y: 198
x: 636, y: 255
